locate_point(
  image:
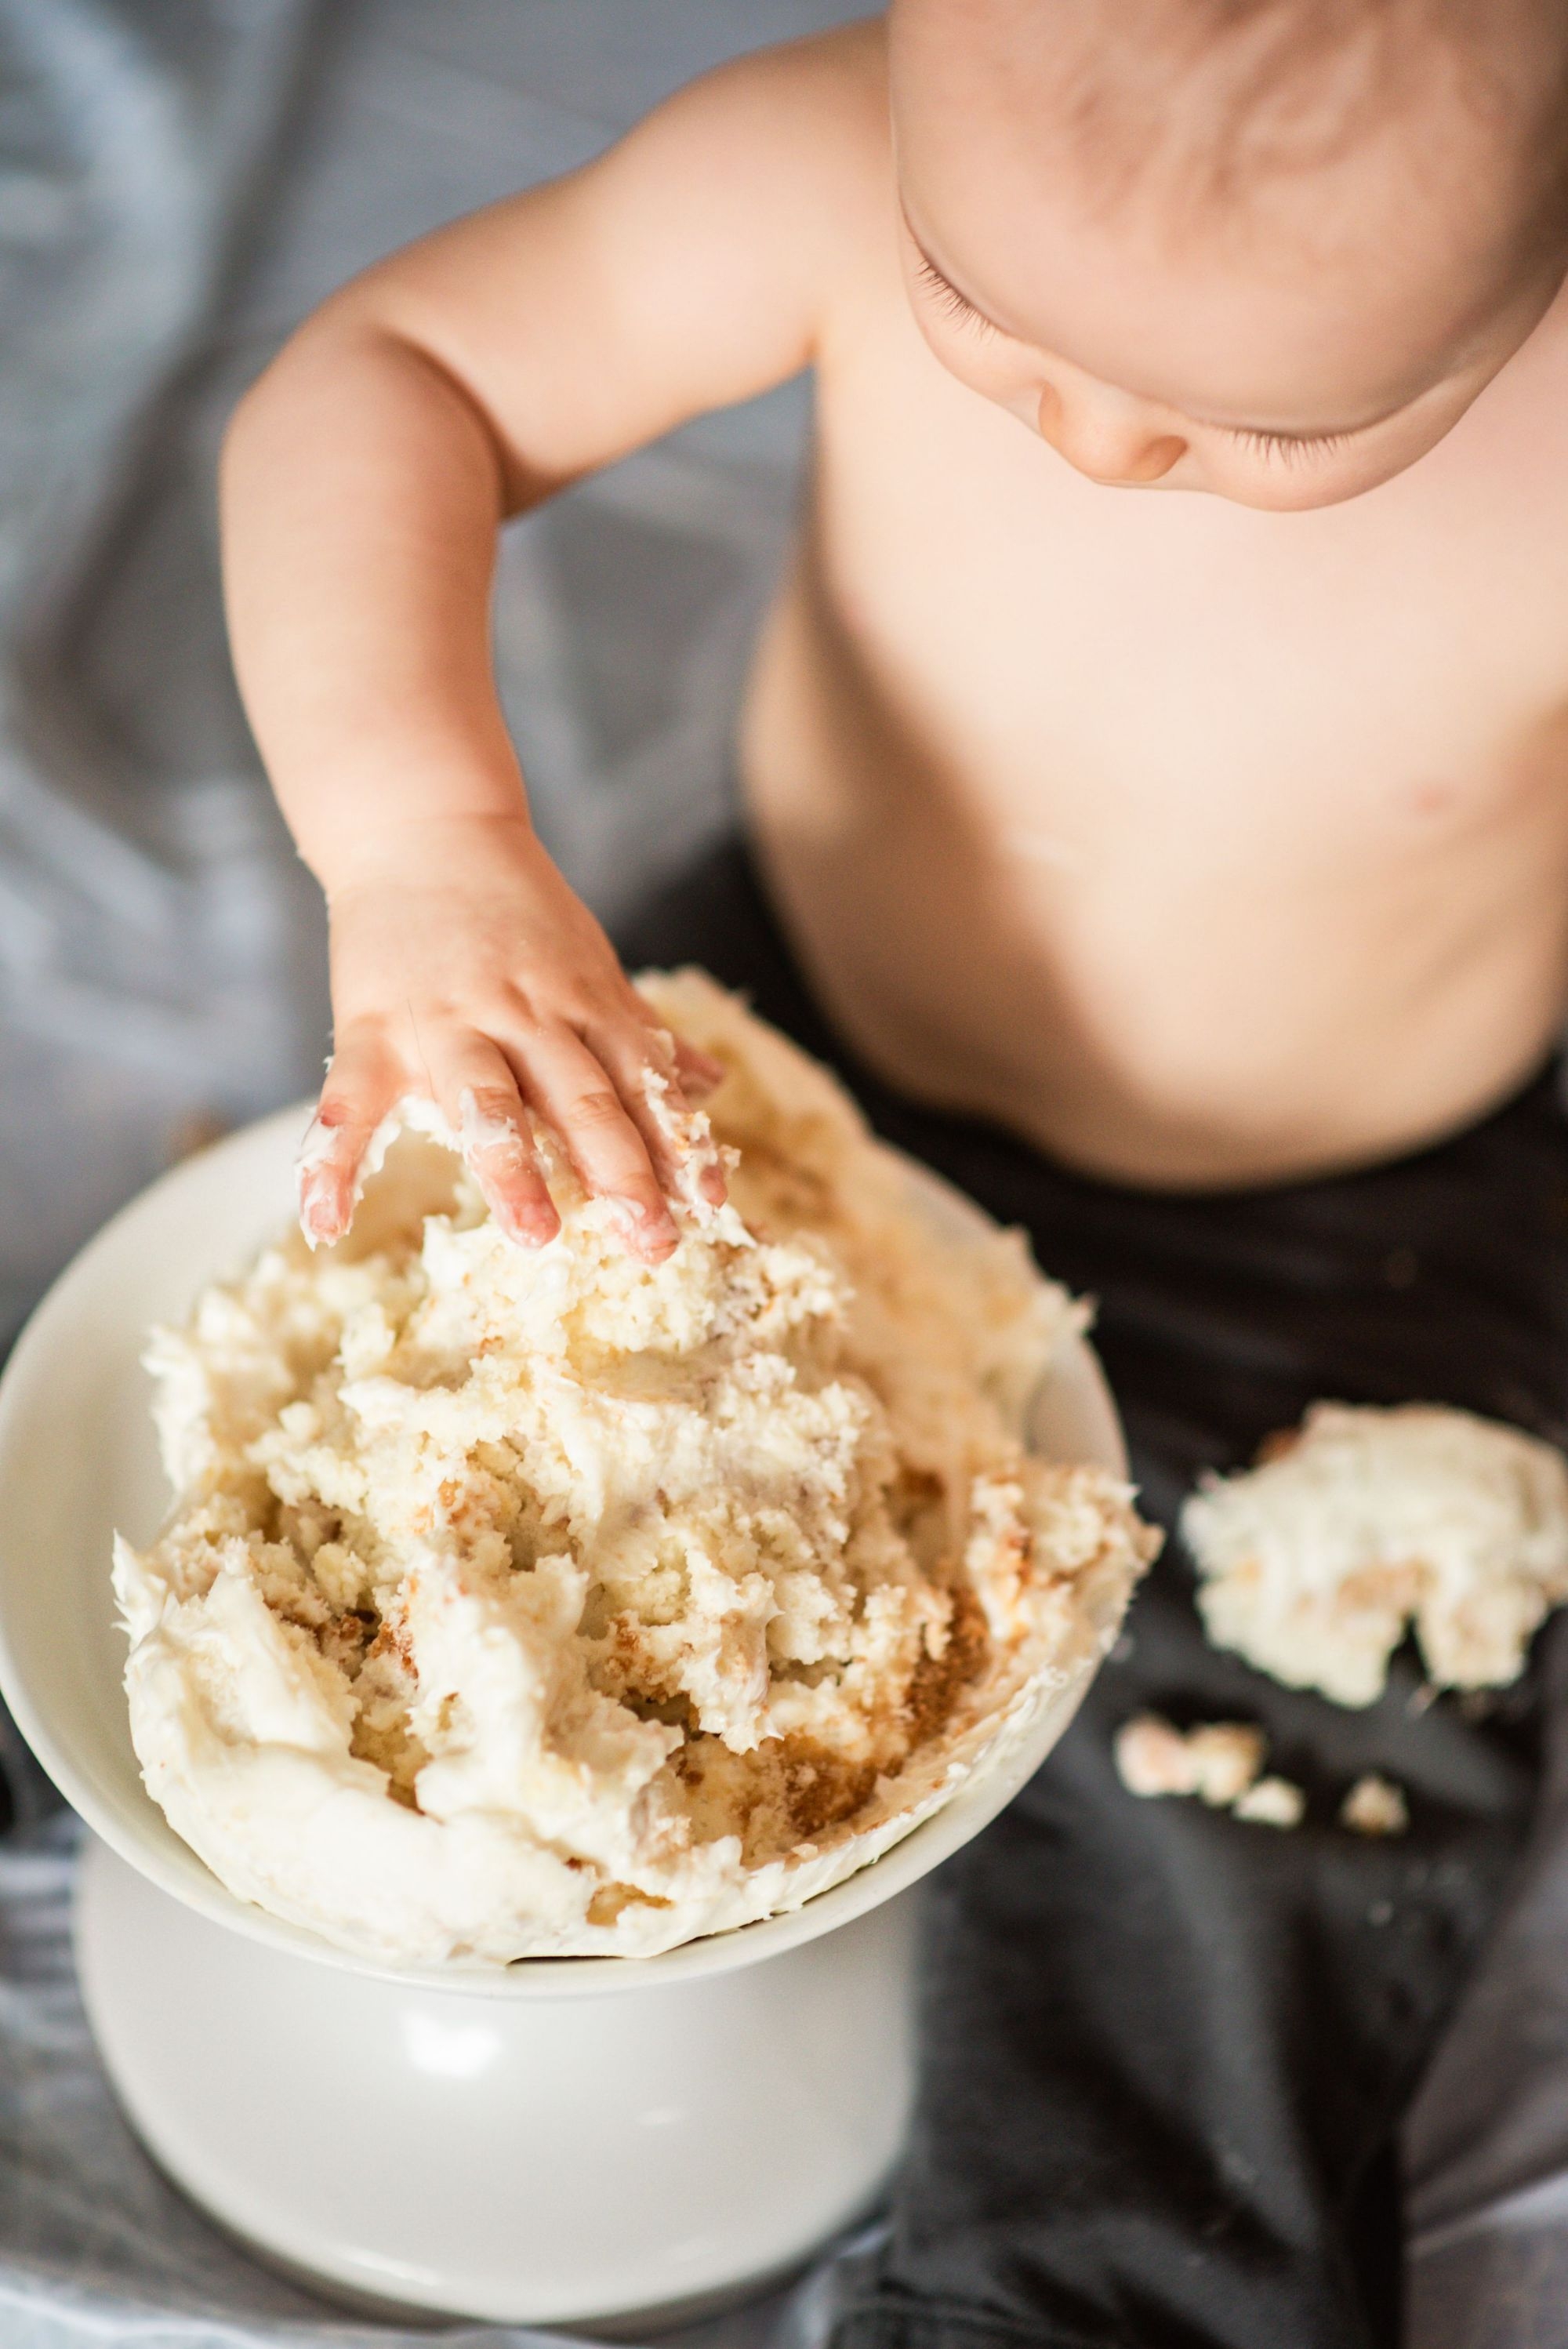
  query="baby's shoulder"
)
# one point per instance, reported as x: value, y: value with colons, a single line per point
x: 779, y: 167
x: 813, y: 112
x: 838, y: 78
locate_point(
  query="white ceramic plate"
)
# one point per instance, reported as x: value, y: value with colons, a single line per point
x: 79, y: 1458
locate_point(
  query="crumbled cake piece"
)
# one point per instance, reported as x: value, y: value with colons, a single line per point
x: 1227, y: 1757
x: 544, y: 1602
x: 1220, y: 1762
x: 1272, y: 1803
x: 1151, y: 1757
x: 1375, y: 1807
x: 1315, y: 1563
x: 1217, y: 1760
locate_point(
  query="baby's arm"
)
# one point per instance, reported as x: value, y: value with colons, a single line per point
x: 364, y: 478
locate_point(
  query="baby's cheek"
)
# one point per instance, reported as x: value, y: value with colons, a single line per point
x: 1276, y: 490
x: 994, y: 373
x: 1278, y: 486
x: 1005, y: 387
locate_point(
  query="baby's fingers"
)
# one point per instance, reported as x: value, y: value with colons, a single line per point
x: 481, y: 1099
x: 646, y: 1074
x: 570, y: 1086
x: 698, y: 1072
x: 361, y: 1088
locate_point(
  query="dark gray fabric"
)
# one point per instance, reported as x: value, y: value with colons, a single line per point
x: 1166, y: 2053
x: 1487, y: 2188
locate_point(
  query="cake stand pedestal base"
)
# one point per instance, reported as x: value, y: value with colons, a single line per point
x: 615, y: 2158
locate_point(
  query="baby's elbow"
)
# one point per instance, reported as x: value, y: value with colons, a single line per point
x: 321, y: 359
x: 272, y: 391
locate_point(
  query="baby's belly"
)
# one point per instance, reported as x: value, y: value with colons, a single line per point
x: 1239, y: 978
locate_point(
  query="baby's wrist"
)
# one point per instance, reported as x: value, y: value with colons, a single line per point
x: 393, y: 849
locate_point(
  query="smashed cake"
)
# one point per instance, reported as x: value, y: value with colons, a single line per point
x: 526, y: 1603
x: 1366, y: 1522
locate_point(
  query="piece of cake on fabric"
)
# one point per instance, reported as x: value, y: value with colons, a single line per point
x: 1375, y: 1807
x: 1216, y: 1760
x: 1315, y: 1563
x: 545, y: 1603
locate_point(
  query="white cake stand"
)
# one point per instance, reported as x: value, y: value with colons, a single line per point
x: 611, y: 2142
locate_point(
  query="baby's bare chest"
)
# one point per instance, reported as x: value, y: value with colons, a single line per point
x: 1088, y: 661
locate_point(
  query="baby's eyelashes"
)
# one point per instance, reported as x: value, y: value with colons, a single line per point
x: 1286, y: 448
x: 947, y: 298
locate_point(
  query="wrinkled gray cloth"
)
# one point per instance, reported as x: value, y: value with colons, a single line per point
x: 1487, y: 2143
x: 179, y: 180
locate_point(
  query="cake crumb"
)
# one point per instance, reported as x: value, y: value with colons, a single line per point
x: 1272, y: 1803
x: 1217, y: 1760
x: 1227, y: 1757
x: 1151, y: 1757
x: 1375, y: 1807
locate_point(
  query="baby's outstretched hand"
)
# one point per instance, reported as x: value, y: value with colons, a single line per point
x: 465, y: 971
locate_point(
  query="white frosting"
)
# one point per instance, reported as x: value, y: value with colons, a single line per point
x: 480, y: 1130
x: 323, y: 1144
x: 1314, y: 1564
x: 542, y: 1601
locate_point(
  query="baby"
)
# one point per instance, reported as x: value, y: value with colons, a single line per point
x: 1151, y: 859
